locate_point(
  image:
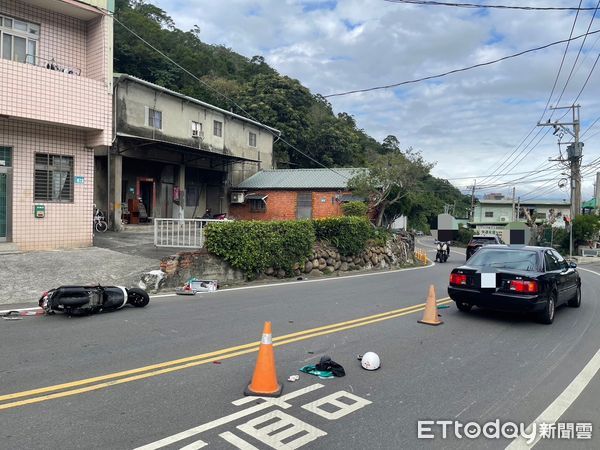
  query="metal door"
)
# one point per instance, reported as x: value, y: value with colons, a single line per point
x: 5, y: 193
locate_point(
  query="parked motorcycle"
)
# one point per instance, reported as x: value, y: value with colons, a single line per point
x: 443, y: 251
x: 83, y: 300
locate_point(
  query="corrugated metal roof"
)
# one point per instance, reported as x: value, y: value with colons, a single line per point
x: 300, y: 179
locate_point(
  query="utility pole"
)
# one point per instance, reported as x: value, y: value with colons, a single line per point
x: 473, y: 200
x: 512, y: 218
x: 574, y: 154
x: 518, y: 209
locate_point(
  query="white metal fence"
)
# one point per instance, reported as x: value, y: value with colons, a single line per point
x: 183, y: 233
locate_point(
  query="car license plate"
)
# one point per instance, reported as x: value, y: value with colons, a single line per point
x: 488, y: 280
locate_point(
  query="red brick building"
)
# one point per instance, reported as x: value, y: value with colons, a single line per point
x: 289, y: 194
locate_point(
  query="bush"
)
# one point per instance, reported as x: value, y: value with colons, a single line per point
x: 254, y: 246
x: 355, y: 209
x: 348, y: 234
x: 465, y: 235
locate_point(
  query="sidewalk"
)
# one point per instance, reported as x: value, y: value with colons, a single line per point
x: 115, y: 259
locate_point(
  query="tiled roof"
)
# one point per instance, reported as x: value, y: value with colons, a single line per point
x: 300, y: 179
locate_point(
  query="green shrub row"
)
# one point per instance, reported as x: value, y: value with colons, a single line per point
x: 359, y: 209
x: 348, y: 234
x: 254, y: 246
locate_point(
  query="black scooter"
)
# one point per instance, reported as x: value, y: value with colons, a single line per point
x: 84, y: 300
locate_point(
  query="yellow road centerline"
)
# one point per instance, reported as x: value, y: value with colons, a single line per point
x: 192, y: 361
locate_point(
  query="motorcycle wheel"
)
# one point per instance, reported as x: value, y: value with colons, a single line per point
x: 137, y: 297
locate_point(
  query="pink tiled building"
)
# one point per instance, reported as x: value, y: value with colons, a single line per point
x: 55, y: 114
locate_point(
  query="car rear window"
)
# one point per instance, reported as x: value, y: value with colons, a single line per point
x: 484, y: 240
x: 505, y: 259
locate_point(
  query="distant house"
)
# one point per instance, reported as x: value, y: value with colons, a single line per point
x: 492, y: 216
x: 289, y: 194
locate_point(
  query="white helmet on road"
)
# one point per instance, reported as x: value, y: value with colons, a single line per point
x: 370, y: 361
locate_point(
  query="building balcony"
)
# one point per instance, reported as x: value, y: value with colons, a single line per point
x: 56, y: 94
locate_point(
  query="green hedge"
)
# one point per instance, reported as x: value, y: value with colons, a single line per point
x: 348, y: 234
x: 359, y: 209
x: 253, y: 246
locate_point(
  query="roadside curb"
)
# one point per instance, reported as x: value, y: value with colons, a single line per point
x: 266, y: 285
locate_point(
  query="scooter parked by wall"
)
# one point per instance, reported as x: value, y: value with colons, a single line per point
x: 84, y: 300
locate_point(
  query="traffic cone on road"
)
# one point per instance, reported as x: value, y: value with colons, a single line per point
x: 430, y: 315
x: 264, y: 381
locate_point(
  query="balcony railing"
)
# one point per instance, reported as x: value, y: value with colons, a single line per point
x: 51, y: 64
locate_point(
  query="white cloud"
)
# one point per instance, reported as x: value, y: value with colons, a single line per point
x: 466, y: 121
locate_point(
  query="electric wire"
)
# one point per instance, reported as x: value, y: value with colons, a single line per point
x: 463, y: 69
x: 481, y: 6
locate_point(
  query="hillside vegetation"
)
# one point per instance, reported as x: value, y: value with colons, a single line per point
x: 250, y: 87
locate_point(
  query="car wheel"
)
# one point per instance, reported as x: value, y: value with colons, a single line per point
x: 464, y: 306
x: 575, y: 302
x: 547, y: 315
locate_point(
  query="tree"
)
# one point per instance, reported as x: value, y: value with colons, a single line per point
x: 389, y: 178
x: 585, y: 228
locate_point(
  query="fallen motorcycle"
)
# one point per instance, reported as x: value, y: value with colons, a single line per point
x: 84, y: 300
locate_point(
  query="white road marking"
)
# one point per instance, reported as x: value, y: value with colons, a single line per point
x: 268, y: 402
x: 564, y: 401
x: 283, y: 428
x: 236, y: 441
x: 342, y: 408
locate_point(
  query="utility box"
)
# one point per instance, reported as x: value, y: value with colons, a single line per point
x: 516, y: 233
x: 39, y: 211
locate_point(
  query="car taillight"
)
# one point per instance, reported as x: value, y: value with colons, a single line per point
x: 458, y: 279
x: 524, y: 287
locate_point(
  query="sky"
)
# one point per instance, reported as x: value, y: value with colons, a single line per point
x: 472, y: 124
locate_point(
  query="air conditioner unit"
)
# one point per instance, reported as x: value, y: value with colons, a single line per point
x: 198, y: 134
x: 503, y: 219
x: 237, y: 197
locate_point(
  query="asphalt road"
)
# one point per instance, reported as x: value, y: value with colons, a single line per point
x: 481, y: 367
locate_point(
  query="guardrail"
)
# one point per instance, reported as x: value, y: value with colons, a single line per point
x: 180, y: 233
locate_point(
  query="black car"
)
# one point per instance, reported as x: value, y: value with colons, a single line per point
x: 479, y: 241
x: 516, y: 278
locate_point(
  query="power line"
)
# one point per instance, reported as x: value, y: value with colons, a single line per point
x: 480, y: 6
x: 464, y: 69
x: 216, y: 91
x: 579, y: 54
x: 504, y: 159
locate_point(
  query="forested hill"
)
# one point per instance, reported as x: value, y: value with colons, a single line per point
x: 307, y: 121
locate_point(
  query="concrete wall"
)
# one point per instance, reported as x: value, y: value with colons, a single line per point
x: 134, y: 99
x: 33, y: 92
x: 282, y: 205
x: 66, y: 224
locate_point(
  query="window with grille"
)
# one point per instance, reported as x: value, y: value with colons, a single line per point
x: 53, y: 181
x: 258, y: 205
x: 304, y: 205
x: 489, y: 214
x: 18, y: 40
x: 218, y: 128
x: 252, y: 139
x: 5, y: 156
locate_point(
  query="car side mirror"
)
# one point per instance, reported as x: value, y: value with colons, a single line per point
x: 572, y: 264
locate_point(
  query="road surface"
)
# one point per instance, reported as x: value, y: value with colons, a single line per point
x: 172, y: 375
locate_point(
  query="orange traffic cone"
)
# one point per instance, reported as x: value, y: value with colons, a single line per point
x: 264, y: 381
x: 430, y: 315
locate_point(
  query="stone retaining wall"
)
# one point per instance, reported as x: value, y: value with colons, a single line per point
x: 325, y: 260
